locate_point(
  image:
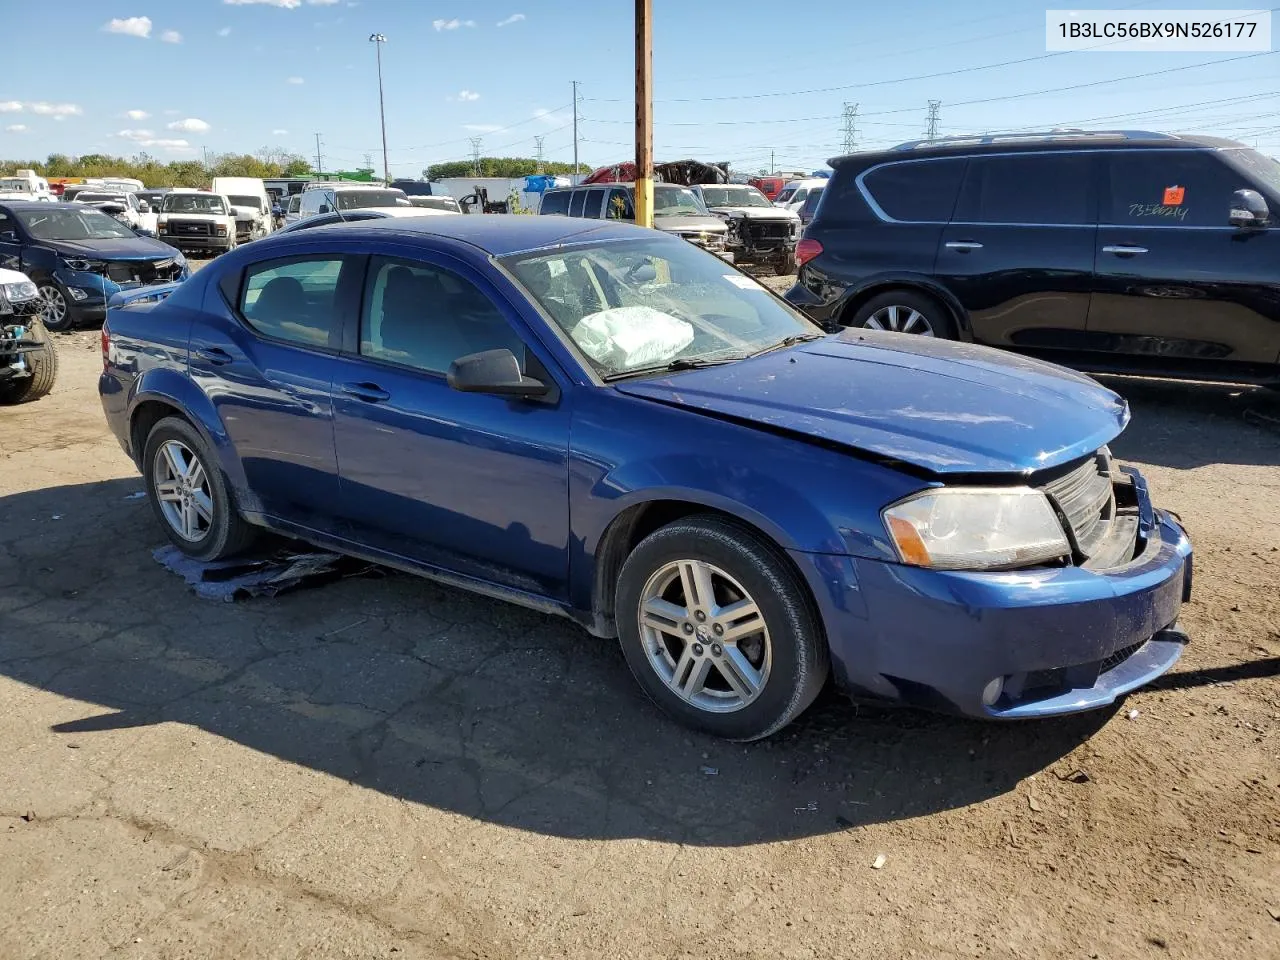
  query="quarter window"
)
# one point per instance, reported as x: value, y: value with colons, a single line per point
x: 1154, y: 188
x: 426, y: 317
x: 295, y: 301
x: 1033, y: 189
x: 917, y: 192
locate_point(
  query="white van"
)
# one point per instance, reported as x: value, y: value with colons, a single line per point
x: 196, y: 220
x: 26, y: 185
x: 251, y: 203
x: 328, y: 197
x: 795, y: 193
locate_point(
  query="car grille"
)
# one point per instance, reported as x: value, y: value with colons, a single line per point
x: 1120, y: 656
x: 1086, y: 499
x: 776, y: 230
x: 191, y: 228
x: 143, y: 272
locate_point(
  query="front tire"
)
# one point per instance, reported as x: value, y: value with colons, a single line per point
x: 717, y: 629
x: 56, y: 310
x: 189, y: 494
x: 904, y: 311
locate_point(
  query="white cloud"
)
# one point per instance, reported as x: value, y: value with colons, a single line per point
x: 55, y: 109
x: 171, y: 36
x: 514, y: 18
x: 279, y: 133
x: 295, y: 80
x: 224, y: 32
x: 136, y: 114
x: 146, y: 138
x: 131, y: 26
x: 468, y: 95
x: 190, y: 125
x: 481, y: 127
x: 10, y: 106
x: 167, y: 144
x: 549, y: 117
x: 138, y: 135
x: 322, y: 3
x: 283, y: 4
x: 453, y: 24
x: 16, y: 128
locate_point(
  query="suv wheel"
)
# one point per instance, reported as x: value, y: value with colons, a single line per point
x: 904, y: 311
x: 55, y: 310
x: 717, y: 630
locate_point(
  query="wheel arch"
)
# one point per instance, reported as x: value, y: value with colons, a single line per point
x: 635, y: 522
x: 921, y: 285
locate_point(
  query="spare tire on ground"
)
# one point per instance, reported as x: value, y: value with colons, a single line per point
x: 42, y: 362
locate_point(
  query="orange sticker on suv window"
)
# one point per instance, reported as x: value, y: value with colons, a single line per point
x: 1173, y: 196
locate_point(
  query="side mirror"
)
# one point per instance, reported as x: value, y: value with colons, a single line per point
x: 144, y: 207
x: 493, y: 371
x: 1248, y: 209
x: 325, y: 208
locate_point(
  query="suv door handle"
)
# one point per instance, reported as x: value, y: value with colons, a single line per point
x: 964, y: 246
x: 368, y: 392
x: 1124, y: 250
x: 215, y: 355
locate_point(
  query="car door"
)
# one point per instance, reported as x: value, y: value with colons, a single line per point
x: 1018, y: 252
x: 263, y: 351
x: 1175, y: 282
x: 467, y: 482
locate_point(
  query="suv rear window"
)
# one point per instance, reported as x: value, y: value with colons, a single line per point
x: 920, y: 191
x: 1038, y: 188
x: 555, y: 201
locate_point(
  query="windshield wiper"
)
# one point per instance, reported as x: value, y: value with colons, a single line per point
x: 680, y: 363
x: 787, y: 341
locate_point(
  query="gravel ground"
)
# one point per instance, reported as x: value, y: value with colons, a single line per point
x: 386, y: 768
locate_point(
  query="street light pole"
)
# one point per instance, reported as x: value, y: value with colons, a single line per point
x: 378, y: 39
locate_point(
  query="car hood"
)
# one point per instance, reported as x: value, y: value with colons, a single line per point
x: 757, y: 213
x: 124, y: 248
x: 942, y: 407
x: 689, y: 224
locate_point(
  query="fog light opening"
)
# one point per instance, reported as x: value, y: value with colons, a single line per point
x: 991, y: 692
x: 77, y: 293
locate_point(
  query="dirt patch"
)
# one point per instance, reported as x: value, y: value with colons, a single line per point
x: 390, y: 768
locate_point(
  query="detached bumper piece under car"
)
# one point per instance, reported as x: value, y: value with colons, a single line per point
x: 1025, y: 643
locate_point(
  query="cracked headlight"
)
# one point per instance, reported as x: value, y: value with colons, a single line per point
x: 19, y: 291
x: 971, y: 528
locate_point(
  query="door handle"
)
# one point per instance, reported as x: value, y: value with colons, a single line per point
x: 964, y: 246
x: 1124, y: 250
x: 368, y: 392
x: 214, y: 355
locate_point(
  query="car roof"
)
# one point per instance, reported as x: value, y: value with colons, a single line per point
x: 1037, y: 142
x: 627, y: 185
x: 42, y: 205
x: 495, y: 233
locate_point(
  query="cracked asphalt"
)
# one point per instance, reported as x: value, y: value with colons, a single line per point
x: 381, y: 767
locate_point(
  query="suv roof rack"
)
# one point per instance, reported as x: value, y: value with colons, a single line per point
x: 1055, y: 135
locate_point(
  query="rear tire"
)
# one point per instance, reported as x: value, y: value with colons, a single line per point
x: 43, y: 364
x: 904, y: 311
x: 189, y: 494
x: 786, y: 266
x: 749, y: 628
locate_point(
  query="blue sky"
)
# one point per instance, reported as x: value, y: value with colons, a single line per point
x: 732, y: 81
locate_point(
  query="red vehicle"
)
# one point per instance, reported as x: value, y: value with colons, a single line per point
x: 770, y: 186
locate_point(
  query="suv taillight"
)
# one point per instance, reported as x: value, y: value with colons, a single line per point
x: 806, y: 250
x: 106, y: 346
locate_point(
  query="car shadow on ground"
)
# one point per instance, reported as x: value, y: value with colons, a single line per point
x: 460, y: 703
x: 1185, y: 425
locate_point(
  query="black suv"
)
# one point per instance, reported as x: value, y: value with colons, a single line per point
x: 1116, y: 251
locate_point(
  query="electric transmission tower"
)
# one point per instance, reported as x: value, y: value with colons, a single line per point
x: 475, y: 155
x: 537, y: 145
x: 931, y: 124
x: 850, y: 127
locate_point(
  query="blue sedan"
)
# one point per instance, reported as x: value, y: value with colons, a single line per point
x: 607, y: 423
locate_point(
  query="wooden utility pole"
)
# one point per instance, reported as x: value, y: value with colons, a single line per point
x: 644, y: 115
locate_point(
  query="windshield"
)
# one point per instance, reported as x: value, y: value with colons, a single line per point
x: 1258, y: 166
x: 193, y: 203
x: 734, y: 197
x: 669, y: 201
x: 639, y: 305
x: 254, y: 202
x: 14, y: 185
x: 63, y: 224
x: 436, y: 203
x: 356, y: 199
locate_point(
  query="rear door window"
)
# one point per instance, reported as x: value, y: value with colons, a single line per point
x: 555, y: 201
x: 619, y: 205
x: 1045, y: 188
x: 1164, y: 188
x: 916, y: 192
x: 578, y: 202
x: 594, y: 199
x: 294, y: 300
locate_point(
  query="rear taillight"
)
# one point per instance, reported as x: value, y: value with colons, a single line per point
x: 106, y: 346
x: 806, y: 250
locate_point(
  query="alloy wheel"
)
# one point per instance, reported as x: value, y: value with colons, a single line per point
x: 705, y: 636
x: 900, y: 319
x: 53, y: 306
x: 182, y: 488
